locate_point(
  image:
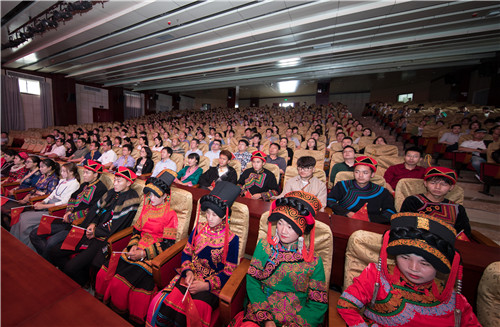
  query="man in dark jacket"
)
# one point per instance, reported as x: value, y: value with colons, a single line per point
x: 222, y: 172
x: 115, y: 211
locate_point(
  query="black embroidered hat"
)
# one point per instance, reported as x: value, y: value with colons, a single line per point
x: 160, y: 184
x: 220, y: 198
x: 410, y: 234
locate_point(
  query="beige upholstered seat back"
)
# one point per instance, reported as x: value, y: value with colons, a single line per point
x: 377, y: 150
x: 292, y: 171
x: 413, y: 186
x: 387, y: 161
x: 178, y: 159
x: 363, y: 248
x: 323, y: 243
x: 347, y: 175
x: 318, y: 155
x: 488, y: 296
x: 239, y: 221
x: 107, y: 179
x: 181, y: 201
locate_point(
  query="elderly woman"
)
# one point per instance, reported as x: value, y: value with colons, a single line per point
x: 286, y: 281
x: 208, y: 260
x: 132, y: 287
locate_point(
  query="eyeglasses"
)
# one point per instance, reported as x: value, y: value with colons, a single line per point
x: 305, y: 168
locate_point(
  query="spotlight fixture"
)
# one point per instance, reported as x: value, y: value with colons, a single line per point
x: 48, y: 19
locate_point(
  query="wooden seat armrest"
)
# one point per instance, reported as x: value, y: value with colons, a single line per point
x: 234, y: 282
x: 78, y: 221
x: 38, y: 198
x: 334, y: 319
x: 57, y: 208
x: 329, y: 211
x: 166, y: 255
x: 121, y: 234
x: 23, y: 190
x: 483, y: 239
x: 11, y: 184
x: 232, y: 295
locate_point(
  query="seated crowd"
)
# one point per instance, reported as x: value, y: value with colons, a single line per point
x: 243, y: 154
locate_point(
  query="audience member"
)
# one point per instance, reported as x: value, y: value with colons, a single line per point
x: 451, y: 138
x: 257, y: 182
x: 214, y: 153
x: 165, y: 162
x: 242, y: 155
x: 108, y: 156
x: 273, y: 158
x: 360, y: 198
x: 349, y: 155
x: 144, y: 165
x: 477, y: 148
x: 408, y: 169
x: 221, y: 172
x: 190, y: 174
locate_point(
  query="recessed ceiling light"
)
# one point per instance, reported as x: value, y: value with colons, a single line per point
x: 289, y: 62
x: 288, y: 86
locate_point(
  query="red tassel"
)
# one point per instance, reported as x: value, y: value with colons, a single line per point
x: 309, y: 255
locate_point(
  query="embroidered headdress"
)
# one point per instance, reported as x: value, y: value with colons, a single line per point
x: 160, y: 184
x: 366, y: 161
x: 299, y: 209
x: 448, y: 173
x: 126, y: 173
x: 94, y: 166
x: 259, y: 155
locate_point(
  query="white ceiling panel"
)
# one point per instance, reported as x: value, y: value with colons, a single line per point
x: 131, y: 44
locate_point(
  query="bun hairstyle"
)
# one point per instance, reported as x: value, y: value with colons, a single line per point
x: 217, y: 205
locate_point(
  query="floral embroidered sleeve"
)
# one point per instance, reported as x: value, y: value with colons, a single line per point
x: 218, y: 281
x: 134, y: 240
x: 317, y: 297
x: 258, y: 310
x: 356, y: 296
x: 51, y: 185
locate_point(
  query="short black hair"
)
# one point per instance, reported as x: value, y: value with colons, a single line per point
x: 350, y: 147
x: 244, y: 141
x: 83, y: 139
x: 169, y: 150
x: 456, y: 125
x: 306, y: 161
x: 108, y: 142
x: 414, y: 149
x: 128, y: 146
x: 274, y: 143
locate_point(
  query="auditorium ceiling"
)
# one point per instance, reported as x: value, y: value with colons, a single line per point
x: 179, y: 46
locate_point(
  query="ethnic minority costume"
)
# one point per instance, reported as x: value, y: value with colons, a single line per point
x: 347, y: 196
x: 112, y: 213
x: 132, y: 287
x: 211, y: 254
x: 284, y: 288
x: 449, y: 211
x: 390, y: 299
x: 259, y: 182
x: 78, y: 206
x: 286, y: 283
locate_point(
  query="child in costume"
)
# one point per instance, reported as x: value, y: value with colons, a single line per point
x: 439, y: 181
x: 409, y: 293
x: 286, y: 281
x: 129, y: 286
x: 208, y: 260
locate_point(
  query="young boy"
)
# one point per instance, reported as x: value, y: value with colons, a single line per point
x: 408, y: 293
x: 439, y: 181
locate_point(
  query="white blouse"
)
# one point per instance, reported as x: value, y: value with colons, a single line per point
x: 63, y: 191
